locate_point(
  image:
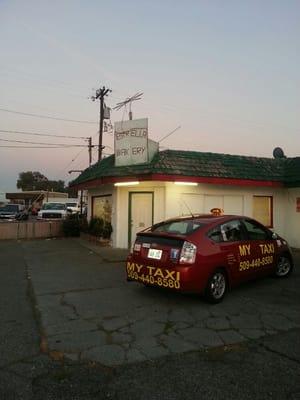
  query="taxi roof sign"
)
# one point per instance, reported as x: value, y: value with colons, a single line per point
x: 217, y: 211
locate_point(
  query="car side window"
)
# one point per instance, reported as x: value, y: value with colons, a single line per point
x: 229, y: 232
x: 255, y: 231
x: 232, y: 231
x: 216, y: 235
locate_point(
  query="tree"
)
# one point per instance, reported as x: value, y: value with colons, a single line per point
x: 34, y: 180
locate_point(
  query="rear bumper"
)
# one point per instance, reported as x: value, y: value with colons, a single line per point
x: 185, y: 278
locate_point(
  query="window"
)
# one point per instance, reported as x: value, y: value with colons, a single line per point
x: 232, y: 231
x: 255, y: 231
x: 178, y: 227
x: 229, y: 232
x: 102, y: 207
x: 263, y: 210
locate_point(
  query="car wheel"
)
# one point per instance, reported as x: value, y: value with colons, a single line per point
x: 216, y: 286
x: 284, y: 267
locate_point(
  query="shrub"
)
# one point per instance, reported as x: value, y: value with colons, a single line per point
x: 107, y: 230
x: 84, y: 226
x: 96, y: 227
x: 71, y: 226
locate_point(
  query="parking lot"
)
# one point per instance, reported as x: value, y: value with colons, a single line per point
x: 90, y: 312
x: 148, y: 343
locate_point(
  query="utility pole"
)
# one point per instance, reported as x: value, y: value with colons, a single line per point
x: 90, y: 150
x: 100, y: 94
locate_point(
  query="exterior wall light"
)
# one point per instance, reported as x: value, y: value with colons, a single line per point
x: 127, y: 183
x: 186, y: 183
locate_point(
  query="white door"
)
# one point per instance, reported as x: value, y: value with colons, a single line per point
x: 141, y: 213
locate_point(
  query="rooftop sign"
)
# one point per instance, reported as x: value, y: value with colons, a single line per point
x: 131, y: 142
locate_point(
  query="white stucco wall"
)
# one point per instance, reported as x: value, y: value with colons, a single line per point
x: 292, y: 220
x: 171, y: 200
x: 123, y: 207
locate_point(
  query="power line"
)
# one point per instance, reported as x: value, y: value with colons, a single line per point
x: 47, y: 116
x: 35, y: 147
x: 42, y: 134
x: 41, y: 143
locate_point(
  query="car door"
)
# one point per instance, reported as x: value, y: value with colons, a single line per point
x: 259, y: 256
x: 233, y: 239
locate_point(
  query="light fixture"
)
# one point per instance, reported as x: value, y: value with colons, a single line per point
x: 127, y: 183
x: 186, y: 183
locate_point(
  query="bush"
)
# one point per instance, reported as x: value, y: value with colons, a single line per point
x: 84, y: 226
x: 96, y: 227
x: 71, y: 226
x: 107, y: 230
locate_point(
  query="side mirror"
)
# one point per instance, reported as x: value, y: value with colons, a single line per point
x: 69, y: 210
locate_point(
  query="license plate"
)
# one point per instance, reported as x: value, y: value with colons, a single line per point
x: 154, y: 253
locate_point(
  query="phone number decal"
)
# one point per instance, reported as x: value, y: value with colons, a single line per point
x: 256, y: 263
x: 151, y: 280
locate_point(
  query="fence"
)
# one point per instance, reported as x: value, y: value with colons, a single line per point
x: 30, y: 229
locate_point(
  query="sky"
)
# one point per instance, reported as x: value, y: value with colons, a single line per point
x: 226, y: 72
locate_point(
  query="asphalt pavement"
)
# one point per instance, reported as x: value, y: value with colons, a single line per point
x: 71, y: 327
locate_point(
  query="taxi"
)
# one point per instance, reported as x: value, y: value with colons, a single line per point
x: 207, y: 254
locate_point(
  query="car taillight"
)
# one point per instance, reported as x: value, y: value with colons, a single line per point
x: 188, y: 253
x: 136, y: 247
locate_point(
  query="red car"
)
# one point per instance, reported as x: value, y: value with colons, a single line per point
x: 207, y: 254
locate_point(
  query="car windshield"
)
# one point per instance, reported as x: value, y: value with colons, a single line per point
x: 71, y: 204
x: 54, y: 206
x: 179, y: 227
x: 10, y: 208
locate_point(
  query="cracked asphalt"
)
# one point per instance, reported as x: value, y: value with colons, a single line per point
x: 72, y: 327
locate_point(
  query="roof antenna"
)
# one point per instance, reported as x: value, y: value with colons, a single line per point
x: 190, y: 211
x: 129, y: 100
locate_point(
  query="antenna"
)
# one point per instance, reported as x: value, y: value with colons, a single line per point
x: 190, y: 211
x: 129, y: 101
x: 169, y: 134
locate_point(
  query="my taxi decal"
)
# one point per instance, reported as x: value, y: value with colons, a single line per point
x: 267, y: 253
x: 153, y: 276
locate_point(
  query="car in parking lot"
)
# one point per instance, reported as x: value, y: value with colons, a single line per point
x: 53, y: 210
x: 207, y: 254
x: 11, y: 211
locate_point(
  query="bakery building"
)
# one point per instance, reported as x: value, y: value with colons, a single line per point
x: 140, y: 185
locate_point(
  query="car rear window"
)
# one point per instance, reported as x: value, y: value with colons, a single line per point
x: 184, y: 227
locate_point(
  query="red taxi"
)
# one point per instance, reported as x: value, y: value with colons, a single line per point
x: 207, y: 254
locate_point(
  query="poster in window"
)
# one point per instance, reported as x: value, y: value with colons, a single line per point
x: 102, y: 207
x: 262, y: 209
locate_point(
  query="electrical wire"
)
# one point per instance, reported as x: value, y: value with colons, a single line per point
x: 35, y: 147
x: 41, y: 143
x: 47, y: 116
x: 41, y: 134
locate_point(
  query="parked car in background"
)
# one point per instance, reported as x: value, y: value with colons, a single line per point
x: 73, y: 207
x: 207, y: 254
x: 11, y: 211
x: 53, y: 210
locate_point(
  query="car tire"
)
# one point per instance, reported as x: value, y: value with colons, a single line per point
x: 216, y: 287
x: 284, y: 267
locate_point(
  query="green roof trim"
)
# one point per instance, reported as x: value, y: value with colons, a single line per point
x: 198, y: 164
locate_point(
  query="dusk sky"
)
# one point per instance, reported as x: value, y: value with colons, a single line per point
x: 227, y: 72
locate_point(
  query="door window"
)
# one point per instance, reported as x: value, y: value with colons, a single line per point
x: 255, y: 231
x: 231, y: 231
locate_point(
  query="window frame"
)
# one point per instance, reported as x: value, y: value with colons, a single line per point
x: 271, y: 225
